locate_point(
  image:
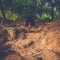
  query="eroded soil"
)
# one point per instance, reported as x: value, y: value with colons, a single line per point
x: 41, y: 44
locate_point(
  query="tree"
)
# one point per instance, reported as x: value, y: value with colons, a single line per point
x: 2, y: 9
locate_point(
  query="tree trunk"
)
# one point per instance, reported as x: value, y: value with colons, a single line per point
x: 2, y: 9
x: 52, y: 14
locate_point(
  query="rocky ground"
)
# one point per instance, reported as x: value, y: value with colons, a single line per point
x: 43, y: 43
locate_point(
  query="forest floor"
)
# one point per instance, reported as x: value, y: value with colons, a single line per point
x: 42, y: 44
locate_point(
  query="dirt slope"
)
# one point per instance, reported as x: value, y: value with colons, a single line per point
x: 39, y: 45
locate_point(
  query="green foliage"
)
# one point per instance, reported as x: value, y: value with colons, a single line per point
x: 45, y: 9
x: 0, y: 13
x: 11, y: 15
